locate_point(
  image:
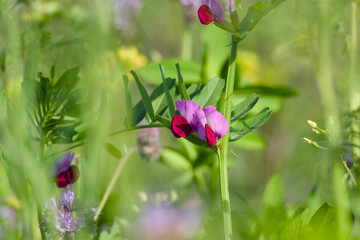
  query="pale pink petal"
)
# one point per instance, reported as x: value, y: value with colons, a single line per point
x: 216, y: 121
x: 187, y: 109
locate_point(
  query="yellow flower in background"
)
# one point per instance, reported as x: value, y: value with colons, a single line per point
x: 13, y: 88
x: 128, y: 58
x: 131, y: 58
x: 249, y: 65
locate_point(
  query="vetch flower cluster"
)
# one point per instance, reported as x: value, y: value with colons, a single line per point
x: 209, y: 124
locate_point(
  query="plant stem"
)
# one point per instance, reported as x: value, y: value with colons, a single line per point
x: 353, y: 85
x: 222, y: 152
x: 114, y: 178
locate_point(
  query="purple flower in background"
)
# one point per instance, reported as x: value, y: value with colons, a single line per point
x: 150, y: 146
x: 124, y: 10
x: 62, y: 218
x: 163, y: 221
x: 190, y: 7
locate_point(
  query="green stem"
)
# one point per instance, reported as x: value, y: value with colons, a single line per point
x: 353, y: 85
x: 222, y: 152
x: 135, y: 128
x: 114, y: 178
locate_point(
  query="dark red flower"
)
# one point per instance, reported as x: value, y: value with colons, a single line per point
x: 65, y: 173
x: 211, y: 11
x: 68, y: 177
x: 180, y: 127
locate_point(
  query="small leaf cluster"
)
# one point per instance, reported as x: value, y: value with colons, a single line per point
x: 55, y: 106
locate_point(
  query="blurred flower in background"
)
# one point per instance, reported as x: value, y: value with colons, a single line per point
x: 124, y: 11
x: 150, y: 146
x: 130, y: 57
x: 62, y: 217
x: 249, y: 65
x: 7, y: 220
x: 164, y: 221
x: 190, y: 8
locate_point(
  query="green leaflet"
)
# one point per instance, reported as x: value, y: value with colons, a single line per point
x: 255, y: 13
x: 246, y: 126
x: 128, y: 102
x: 240, y: 110
x: 167, y: 94
x: 211, y: 93
x: 184, y: 94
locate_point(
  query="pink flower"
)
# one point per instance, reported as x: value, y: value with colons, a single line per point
x: 209, y: 124
x: 211, y: 11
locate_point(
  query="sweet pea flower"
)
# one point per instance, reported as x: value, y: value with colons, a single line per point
x: 184, y: 124
x: 211, y: 11
x: 209, y: 124
x: 66, y: 173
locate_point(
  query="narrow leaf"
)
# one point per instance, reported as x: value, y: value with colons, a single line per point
x: 139, y: 110
x: 246, y: 126
x: 175, y: 160
x: 184, y: 94
x: 211, y: 93
x: 167, y: 93
x: 160, y: 104
x: 243, y: 107
x: 113, y: 150
x: 128, y: 102
x: 145, y: 96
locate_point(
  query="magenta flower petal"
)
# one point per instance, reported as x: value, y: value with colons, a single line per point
x: 187, y: 109
x: 180, y: 127
x: 216, y: 121
x: 205, y: 15
x: 210, y: 136
x: 63, y: 163
x: 216, y: 9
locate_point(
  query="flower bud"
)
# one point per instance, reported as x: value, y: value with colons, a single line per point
x: 316, y: 131
x: 150, y: 146
x: 312, y: 124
